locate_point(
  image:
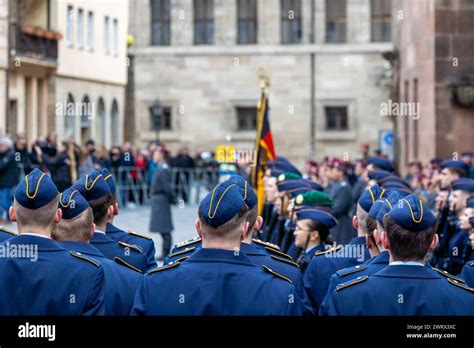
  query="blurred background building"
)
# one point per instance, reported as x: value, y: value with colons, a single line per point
x: 200, y: 60
x: 68, y: 58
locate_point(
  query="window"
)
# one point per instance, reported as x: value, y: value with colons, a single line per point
x: 90, y: 31
x: 80, y: 28
x: 246, y: 118
x: 381, y: 20
x: 69, y: 25
x: 115, y: 38
x: 247, y: 21
x: 106, y: 35
x: 160, y: 22
x: 336, y: 118
x: 203, y: 22
x: 290, y: 21
x: 335, y: 21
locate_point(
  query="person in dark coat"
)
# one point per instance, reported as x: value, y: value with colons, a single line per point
x: 9, y: 174
x: 59, y: 165
x: 162, y: 196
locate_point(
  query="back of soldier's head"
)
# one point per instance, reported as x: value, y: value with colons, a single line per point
x: 249, y: 196
x: 365, y: 202
x: 222, y: 214
x: 410, y: 228
x: 36, y: 201
x: 77, y: 218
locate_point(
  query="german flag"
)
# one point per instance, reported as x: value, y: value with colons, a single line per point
x: 264, y: 147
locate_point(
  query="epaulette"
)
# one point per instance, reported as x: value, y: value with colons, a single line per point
x: 355, y: 281
x: 80, y: 256
x: 471, y: 263
x: 185, y: 251
x: 323, y: 252
x: 187, y: 242
x: 461, y: 285
x: 278, y: 252
x: 126, y: 264
x: 181, y: 259
x: 448, y: 275
x: 285, y: 260
x: 131, y: 246
x: 266, y: 244
x: 350, y: 270
x: 138, y: 235
x: 266, y: 268
x: 7, y: 231
x: 173, y: 264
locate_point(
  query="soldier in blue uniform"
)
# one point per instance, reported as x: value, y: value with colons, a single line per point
x: 97, y: 193
x: 406, y: 286
x: 325, y: 263
x: 129, y: 237
x: 193, y: 286
x: 6, y: 234
x: 74, y: 232
x: 46, y: 279
x: 467, y: 224
x: 379, y: 163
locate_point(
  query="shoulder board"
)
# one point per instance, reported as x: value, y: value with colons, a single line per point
x: 471, y: 263
x: 267, y: 269
x: 448, y: 275
x: 278, y: 252
x: 126, y: 264
x: 185, y: 251
x: 460, y: 285
x: 285, y: 261
x: 323, y: 252
x: 350, y: 270
x: 174, y: 264
x: 266, y: 244
x: 80, y: 256
x: 131, y: 246
x: 7, y: 231
x: 181, y: 259
x: 186, y: 243
x: 138, y: 235
x: 355, y: 281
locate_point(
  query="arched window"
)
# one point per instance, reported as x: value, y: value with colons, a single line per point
x: 86, y: 118
x: 100, y: 122
x: 115, y: 123
x: 69, y: 118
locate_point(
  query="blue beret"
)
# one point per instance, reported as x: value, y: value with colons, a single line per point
x: 72, y: 203
x: 381, y: 163
x: 35, y: 190
x: 464, y: 184
x: 92, y: 186
x: 317, y: 215
x: 378, y: 174
x: 245, y: 189
x: 470, y: 202
x: 387, y: 204
x: 369, y: 196
x: 109, y: 179
x: 221, y: 205
x: 455, y: 164
x: 412, y: 214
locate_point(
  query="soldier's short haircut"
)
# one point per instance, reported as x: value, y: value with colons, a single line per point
x: 42, y: 217
x: 252, y: 216
x: 99, y: 208
x: 406, y: 245
x: 75, y: 229
x: 362, y: 218
x: 459, y: 171
x: 226, y: 230
x: 371, y: 224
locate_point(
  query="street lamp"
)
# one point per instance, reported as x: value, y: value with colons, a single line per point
x: 156, y: 113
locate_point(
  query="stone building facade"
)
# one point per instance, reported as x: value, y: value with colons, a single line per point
x: 207, y: 89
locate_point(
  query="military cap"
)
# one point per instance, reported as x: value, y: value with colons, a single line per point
x: 455, y: 164
x: 314, y: 198
x: 369, y: 196
x: 290, y: 185
x: 317, y: 215
x: 385, y: 205
x: 381, y: 163
x: 464, y: 184
x: 378, y: 174
x: 35, y: 190
x: 281, y: 163
x: 470, y: 202
x: 288, y: 176
x: 221, y: 205
x: 92, y: 186
x: 72, y: 203
x: 401, y: 189
x: 245, y: 189
x: 468, y: 153
x: 412, y: 214
x: 109, y: 179
x: 393, y: 180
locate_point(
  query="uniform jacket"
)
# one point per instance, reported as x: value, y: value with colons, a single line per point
x: 468, y: 273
